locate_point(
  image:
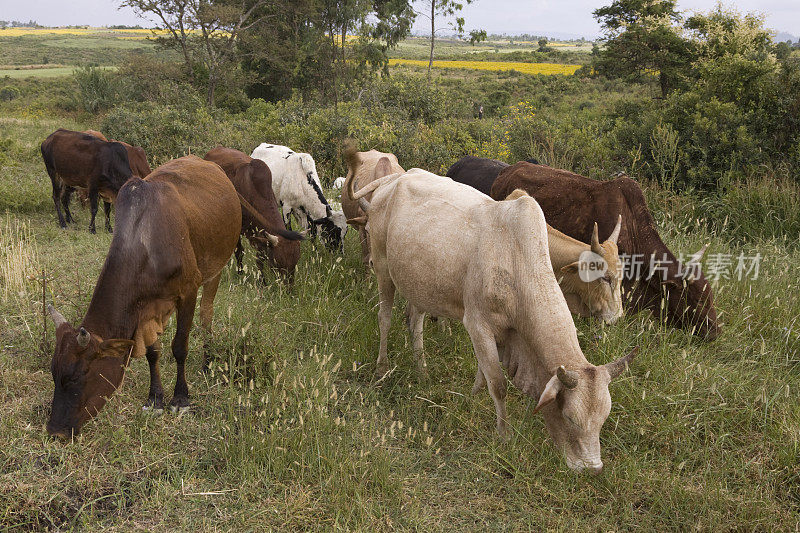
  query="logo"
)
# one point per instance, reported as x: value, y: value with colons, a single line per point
x: 591, y: 266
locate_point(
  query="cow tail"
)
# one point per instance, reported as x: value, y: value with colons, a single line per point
x: 265, y: 226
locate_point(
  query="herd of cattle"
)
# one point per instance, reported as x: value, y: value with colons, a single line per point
x: 509, y: 250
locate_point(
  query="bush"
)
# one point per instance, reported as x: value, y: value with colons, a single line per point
x: 97, y: 89
x: 9, y: 93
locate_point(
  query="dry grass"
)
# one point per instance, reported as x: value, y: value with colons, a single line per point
x: 525, y: 68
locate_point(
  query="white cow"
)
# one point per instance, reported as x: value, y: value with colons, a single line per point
x: 454, y: 252
x: 299, y: 192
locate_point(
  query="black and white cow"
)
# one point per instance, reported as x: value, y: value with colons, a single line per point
x: 299, y: 192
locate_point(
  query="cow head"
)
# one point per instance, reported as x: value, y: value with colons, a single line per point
x: 86, y: 371
x: 575, y: 404
x: 688, y: 297
x: 596, y: 278
x: 282, y: 253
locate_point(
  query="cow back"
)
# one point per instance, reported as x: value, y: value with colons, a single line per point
x: 477, y: 172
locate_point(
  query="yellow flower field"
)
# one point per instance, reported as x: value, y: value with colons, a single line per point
x: 525, y: 68
x: 130, y: 33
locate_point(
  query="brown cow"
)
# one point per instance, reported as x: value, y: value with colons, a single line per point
x: 253, y: 181
x: 572, y: 203
x: 75, y: 159
x: 364, y: 168
x: 176, y: 230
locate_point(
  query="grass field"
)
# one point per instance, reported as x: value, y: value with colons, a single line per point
x: 289, y: 432
x: 525, y: 68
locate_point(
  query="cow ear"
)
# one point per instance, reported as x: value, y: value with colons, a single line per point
x: 571, y: 268
x: 357, y: 221
x: 551, y: 390
x: 114, y: 348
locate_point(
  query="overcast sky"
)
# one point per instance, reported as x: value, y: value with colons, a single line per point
x: 557, y: 18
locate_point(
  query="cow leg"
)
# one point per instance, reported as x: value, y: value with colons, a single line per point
x: 489, y: 365
x: 480, y: 381
x: 416, y: 319
x: 107, y: 211
x: 239, y: 254
x: 207, y: 315
x: 365, y: 251
x: 155, y: 399
x: 66, y: 197
x: 386, y: 296
x: 93, y: 201
x: 180, y: 348
x: 58, y: 191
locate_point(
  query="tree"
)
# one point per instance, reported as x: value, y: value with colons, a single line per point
x: 325, y: 45
x: 542, y: 45
x: 643, y: 38
x: 476, y: 36
x: 441, y: 8
x: 204, y: 31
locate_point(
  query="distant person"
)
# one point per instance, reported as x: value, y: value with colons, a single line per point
x: 480, y: 112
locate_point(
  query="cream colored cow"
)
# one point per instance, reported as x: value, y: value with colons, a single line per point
x: 588, y: 293
x: 454, y: 252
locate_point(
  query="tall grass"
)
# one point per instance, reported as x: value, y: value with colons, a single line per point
x: 19, y: 259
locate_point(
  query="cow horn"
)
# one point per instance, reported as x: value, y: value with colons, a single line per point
x: 83, y: 337
x: 568, y: 378
x: 698, y: 255
x: 272, y: 239
x: 57, y: 317
x: 615, y: 234
x: 362, y: 202
x: 618, y: 367
x: 596, y: 241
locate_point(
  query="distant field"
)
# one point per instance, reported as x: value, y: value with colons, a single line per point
x: 525, y: 68
x: 41, y: 72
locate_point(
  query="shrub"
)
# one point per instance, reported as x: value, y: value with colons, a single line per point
x: 9, y: 93
x: 97, y: 89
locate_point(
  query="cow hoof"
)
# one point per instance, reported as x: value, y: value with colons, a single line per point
x: 150, y: 410
x: 92, y: 231
x: 110, y: 230
x: 178, y: 410
x: 179, y: 404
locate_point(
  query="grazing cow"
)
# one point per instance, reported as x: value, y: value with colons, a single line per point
x: 478, y: 172
x: 136, y: 155
x: 590, y: 276
x: 75, y: 159
x: 176, y: 230
x: 364, y: 168
x: 299, y: 192
x: 572, y: 203
x: 452, y: 251
x: 253, y: 181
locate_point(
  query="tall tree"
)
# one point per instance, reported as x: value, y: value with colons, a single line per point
x: 643, y: 38
x: 204, y: 31
x: 325, y: 45
x: 431, y: 9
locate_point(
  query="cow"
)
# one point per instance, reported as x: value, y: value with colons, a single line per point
x: 478, y: 172
x: 76, y: 159
x: 453, y: 252
x: 590, y: 276
x: 176, y: 230
x: 253, y: 181
x: 364, y: 168
x: 299, y: 193
x: 136, y: 155
x: 137, y: 159
x: 573, y: 203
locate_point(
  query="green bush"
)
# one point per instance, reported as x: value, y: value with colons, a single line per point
x: 9, y: 93
x: 97, y: 89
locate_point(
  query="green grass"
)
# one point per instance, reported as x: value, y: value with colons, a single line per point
x: 288, y: 432
x: 41, y: 72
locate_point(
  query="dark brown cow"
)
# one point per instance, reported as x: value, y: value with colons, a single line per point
x: 136, y: 156
x: 176, y: 230
x: 572, y: 203
x: 253, y: 181
x: 76, y: 159
x: 478, y: 172
x: 364, y: 168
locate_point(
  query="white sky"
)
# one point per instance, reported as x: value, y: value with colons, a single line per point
x: 556, y: 18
